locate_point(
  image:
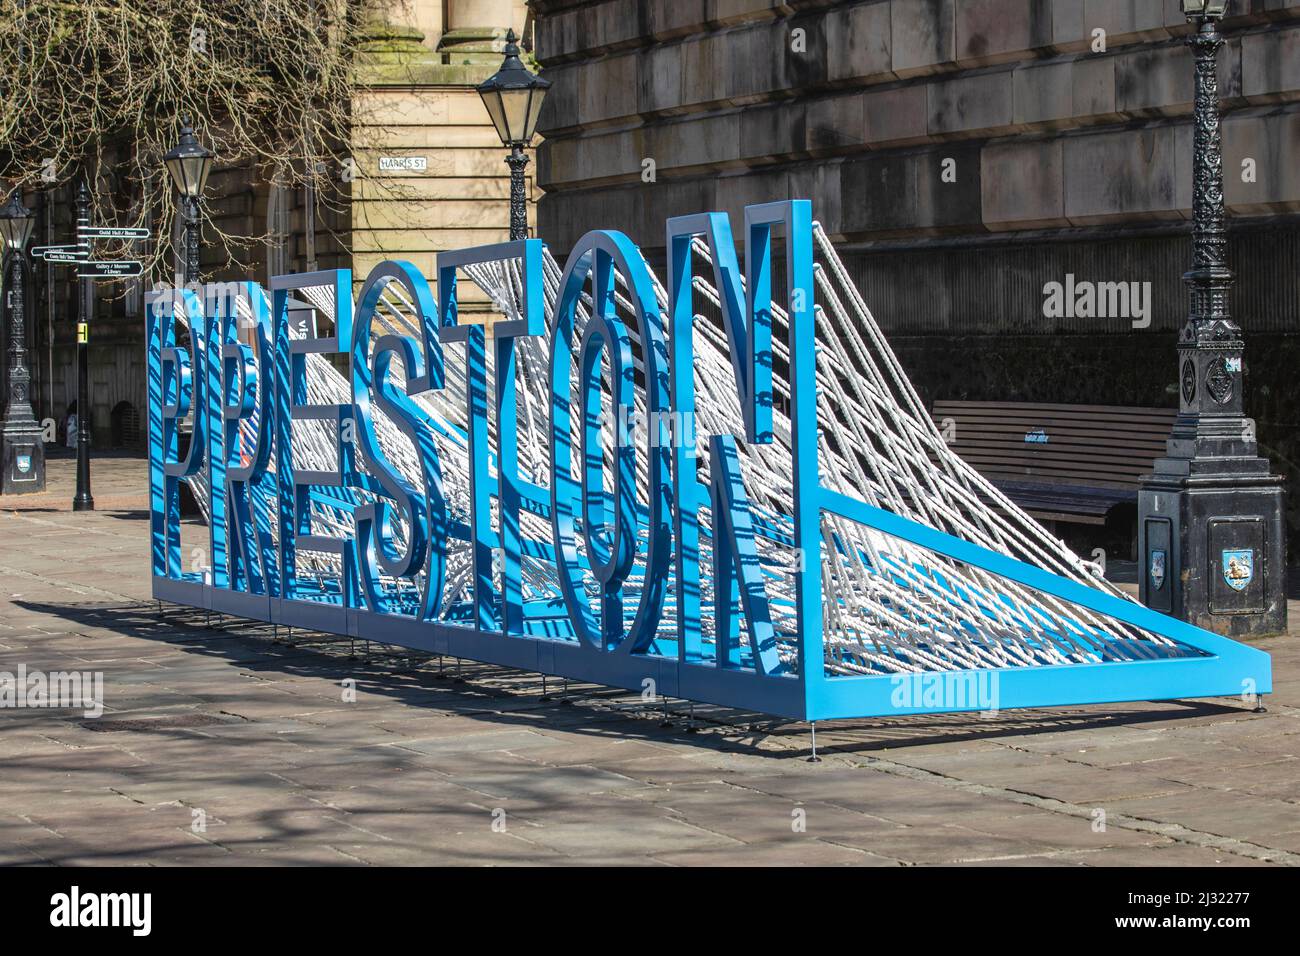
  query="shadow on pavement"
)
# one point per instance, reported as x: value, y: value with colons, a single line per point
x: 501, y: 695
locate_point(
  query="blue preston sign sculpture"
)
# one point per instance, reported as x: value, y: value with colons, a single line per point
x: 626, y: 523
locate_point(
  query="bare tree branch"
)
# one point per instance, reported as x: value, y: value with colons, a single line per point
x: 97, y: 87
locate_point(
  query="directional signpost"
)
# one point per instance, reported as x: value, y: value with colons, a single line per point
x: 70, y: 252
x: 112, y: 232
x: 79, y: 253
x: 111, y: 269
x: 88, y: 270
x: 64, y: 253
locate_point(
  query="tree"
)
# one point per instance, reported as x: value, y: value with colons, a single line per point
x: 96, y: 88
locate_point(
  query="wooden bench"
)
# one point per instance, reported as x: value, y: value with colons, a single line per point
x: 1071, y: 463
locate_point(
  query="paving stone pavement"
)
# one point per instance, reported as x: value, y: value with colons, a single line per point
x: 223, y: 745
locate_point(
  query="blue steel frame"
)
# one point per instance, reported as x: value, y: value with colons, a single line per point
x: 234, y: 387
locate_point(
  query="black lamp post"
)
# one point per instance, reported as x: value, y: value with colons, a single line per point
x: 24, y: 450
x: 189, y: 163
x: 82, y: 499
x: 1211, y: 532
x: 513, y: 96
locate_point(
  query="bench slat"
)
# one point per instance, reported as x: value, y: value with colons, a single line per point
x: 1021, y: 408
x: 1052, y: 426
x: 1036, y: 453
x: 1070, y: 444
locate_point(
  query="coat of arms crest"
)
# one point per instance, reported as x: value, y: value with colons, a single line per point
x: 1156, y: 572
x: 1238, y: 568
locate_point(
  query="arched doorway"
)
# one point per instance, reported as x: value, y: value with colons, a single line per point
x: 124, y: 426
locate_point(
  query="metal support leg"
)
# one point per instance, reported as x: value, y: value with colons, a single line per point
x: 545, y: 696
x: 667, y: 721
x: 690, y: 720
x: 814, y: 758
x: 564, y: 700
x: 1259, y: 705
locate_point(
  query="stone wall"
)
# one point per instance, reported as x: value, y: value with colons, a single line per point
x: 961, y: 154
x: 864, y: 106
x: 422, y: 104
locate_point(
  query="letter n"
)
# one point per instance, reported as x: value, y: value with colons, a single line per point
x: 736, y: 566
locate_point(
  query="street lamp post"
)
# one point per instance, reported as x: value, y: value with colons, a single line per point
x: 189, y: 163
x: 513, y: 96
x: 24, y: 449
x: 82, y: 500
x: 1211, y: 530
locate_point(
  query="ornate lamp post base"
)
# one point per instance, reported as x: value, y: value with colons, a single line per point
x: 1214, y: 545
x: 24, y: 458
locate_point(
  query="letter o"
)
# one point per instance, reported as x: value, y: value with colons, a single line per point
x: 613, y: 552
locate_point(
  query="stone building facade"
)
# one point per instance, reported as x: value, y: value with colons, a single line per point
x: 962, y: 154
